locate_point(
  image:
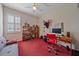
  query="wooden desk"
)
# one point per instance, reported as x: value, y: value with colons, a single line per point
x: 65, y: 41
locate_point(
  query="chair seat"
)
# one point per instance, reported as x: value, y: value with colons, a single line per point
x: 53, y: 41
x: 52, y: 38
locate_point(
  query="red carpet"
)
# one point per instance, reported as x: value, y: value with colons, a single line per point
x: 35, y: 47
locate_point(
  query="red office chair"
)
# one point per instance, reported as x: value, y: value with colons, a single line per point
x: 52, y: 38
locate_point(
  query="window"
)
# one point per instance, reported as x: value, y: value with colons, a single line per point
x: 10, y: 23
x: 14, y: 23
x: 17, y: 24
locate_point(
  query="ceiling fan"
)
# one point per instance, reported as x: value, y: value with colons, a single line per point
x: 36, y: 6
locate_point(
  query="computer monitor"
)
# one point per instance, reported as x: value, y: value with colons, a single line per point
x: 56, y: 30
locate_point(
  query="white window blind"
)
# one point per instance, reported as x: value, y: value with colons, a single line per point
x: 14, y: 23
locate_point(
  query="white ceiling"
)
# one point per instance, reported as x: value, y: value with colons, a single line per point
x: 24, y: 7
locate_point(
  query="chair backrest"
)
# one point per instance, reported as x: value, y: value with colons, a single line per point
x: 52, y: 38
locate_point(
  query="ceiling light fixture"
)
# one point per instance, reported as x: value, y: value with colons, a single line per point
x: 34, y: 8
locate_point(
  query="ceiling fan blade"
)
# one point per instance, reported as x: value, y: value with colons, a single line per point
x: 28, y: 7
x: 45, y: 4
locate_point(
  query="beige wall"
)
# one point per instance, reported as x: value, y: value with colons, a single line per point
x: 1, y: 20
x: 69, y: 14
x: 24, y: 18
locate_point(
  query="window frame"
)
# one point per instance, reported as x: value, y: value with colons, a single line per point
x: 14, y: 30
